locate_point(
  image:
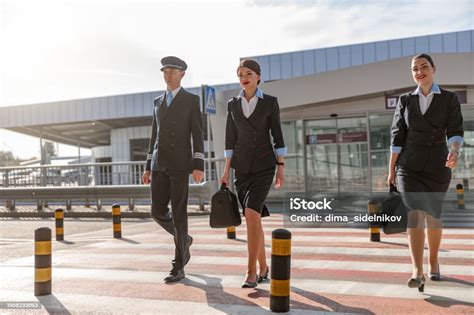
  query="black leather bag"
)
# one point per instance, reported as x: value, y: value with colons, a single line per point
x: 224, y: 209
x: 393, y: 206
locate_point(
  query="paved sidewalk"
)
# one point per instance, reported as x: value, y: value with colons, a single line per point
x: 333, y: 270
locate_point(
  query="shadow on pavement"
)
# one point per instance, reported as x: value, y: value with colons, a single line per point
x: 239, y: 240
x: 127, y: 240
x: 331, y: 304
x: 66, y: 242
x: 216, y: 297
x: 454, y: 280
x: 442, y: 301
x: 53, y: 305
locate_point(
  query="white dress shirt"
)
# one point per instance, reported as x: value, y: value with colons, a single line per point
x: 248, y: 107
x: 425, y: 101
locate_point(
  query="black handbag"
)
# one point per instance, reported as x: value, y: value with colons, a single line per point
x: 224, y: 209
x: 393, y: 206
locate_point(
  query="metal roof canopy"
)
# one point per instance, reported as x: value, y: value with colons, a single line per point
x: 88, y: 134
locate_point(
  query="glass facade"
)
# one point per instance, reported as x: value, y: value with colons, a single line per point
x: 351, y: 155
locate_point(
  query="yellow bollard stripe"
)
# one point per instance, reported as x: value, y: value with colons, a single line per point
x: 59, y: 215
x: 460, y: 191
x: 59, y: 230
x: 231, y: 229
x: 461, y: 202
x: 374, y: 230
x: 43, y: 248
x: 42, y: 274
x: 280, y: 287
x: 373, y: 209
x: 115, y: 211
x: 117, y: 227
x: 281, y: 247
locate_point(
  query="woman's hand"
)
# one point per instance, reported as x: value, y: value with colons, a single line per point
x: 224, y: 179
x: 392, y: 178
x: 452, y: 161
x: 280, y: 177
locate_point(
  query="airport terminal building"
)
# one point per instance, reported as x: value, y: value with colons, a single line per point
x: 336, y: 107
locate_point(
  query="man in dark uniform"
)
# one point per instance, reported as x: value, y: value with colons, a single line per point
x: 176, y: 118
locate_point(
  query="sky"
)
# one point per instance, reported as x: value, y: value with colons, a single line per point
x: 60, y: 50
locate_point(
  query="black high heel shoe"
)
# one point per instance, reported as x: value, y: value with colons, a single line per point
x: 418, y: 282
x: 435, y: 276
x: 250, y: 284
x: 263, y: 277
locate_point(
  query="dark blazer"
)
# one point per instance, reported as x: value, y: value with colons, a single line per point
x: 423, y: 137
x: 250, y: 137
x: 172, y: 129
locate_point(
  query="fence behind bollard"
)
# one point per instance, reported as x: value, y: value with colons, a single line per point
x: 231, y: 233
x: 373, y: 207
x: 43, y: 253
x: 117, y: 221
x: 280, y: 271
x: 460, y: 195
x: 59, y: 217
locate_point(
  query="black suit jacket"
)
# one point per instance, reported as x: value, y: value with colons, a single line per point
x: 172, y: 129
x: 423, y: 137
x: 250, y: 137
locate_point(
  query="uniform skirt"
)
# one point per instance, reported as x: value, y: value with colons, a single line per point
x: 424, y: 190
x: 252, y: 190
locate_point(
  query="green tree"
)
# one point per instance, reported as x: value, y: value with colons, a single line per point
x: 7, y: 159
x: 49, y: 149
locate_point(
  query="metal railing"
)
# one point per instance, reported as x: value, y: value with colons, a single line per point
x: 91, y: 174
x: 201, y: 192
x: 91, y: 181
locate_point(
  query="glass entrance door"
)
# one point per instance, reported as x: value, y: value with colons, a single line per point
x: 336, y: 155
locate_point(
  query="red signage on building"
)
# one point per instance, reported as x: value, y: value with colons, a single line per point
x: 353, y: 137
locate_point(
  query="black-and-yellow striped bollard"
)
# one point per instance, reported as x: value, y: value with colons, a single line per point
x: 117, y: 221
x: 43, y: 253
x: 460, y: 193
x: 373, y: 207
x: 231, y: 233
x: 59, y: 218
x: 280, y: 271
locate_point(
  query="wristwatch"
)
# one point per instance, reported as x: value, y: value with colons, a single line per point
x: 281, y: 163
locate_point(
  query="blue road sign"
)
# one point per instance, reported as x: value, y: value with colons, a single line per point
x: 210, y: 97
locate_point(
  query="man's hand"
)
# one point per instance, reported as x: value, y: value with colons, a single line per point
x: 198, y: 176
x: 452, y: 161
x: 146, y: 177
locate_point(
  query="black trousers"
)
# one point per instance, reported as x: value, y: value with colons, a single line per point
x: 166, y: 186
